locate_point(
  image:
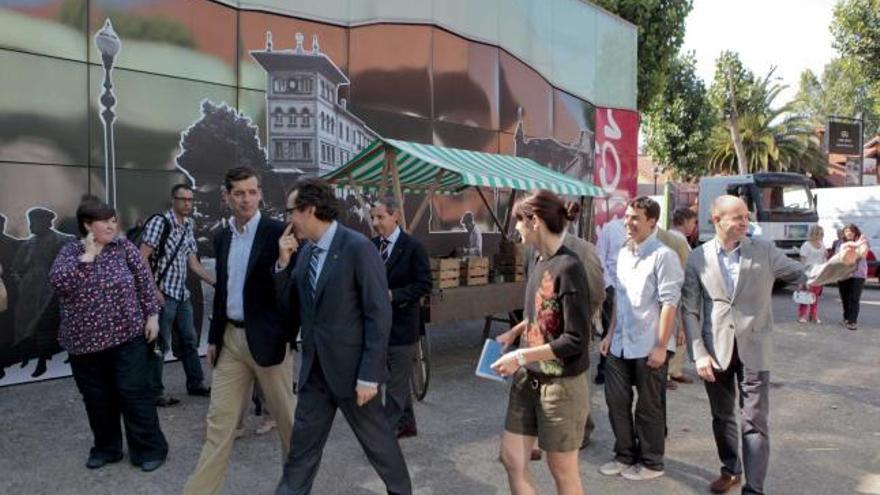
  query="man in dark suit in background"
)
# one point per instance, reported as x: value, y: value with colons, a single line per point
x: 409, y: 279
x: 246, y: 341
x: 340, y: 287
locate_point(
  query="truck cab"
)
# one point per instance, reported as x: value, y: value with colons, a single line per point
x: 781, y: 204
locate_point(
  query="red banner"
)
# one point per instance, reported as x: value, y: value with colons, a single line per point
x: 616, y: 172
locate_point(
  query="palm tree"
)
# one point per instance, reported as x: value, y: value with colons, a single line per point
x: 773, y: 139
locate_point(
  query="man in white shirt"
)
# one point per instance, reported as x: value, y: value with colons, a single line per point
x: 648, y: 289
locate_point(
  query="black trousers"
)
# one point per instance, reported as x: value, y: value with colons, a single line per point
x: 851, y: 293
x: 315, y: 409
x: 398, y: 397
x: 116, y: 382
x: 640, y: 438
x: 607, y: 316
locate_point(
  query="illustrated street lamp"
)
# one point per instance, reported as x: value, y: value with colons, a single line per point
x: 108, y: 44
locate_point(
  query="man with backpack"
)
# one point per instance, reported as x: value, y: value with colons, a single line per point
x: 168, y: 246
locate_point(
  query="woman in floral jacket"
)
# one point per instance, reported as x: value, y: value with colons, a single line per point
x: 549, y: 399
x: 109, y: 314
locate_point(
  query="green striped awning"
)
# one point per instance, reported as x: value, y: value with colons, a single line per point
x: 419, y: 164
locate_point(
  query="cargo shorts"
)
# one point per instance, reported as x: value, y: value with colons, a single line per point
x: 553, y: 409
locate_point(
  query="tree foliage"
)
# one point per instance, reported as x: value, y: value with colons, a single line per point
x: 841, y: 90
x: 661, y: 33
x: 856, y: 30
x: 773, y: 138
x: 222, y: 139
x: 678, y: 124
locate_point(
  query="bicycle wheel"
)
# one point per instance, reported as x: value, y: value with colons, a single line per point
x: 421, y: 374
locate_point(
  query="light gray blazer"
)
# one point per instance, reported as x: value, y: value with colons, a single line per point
x: 713, y: 320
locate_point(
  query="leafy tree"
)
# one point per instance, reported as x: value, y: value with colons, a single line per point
x: 856, y: 30
x: 661, y: 33
x: 222, y: 139
x: 771, y: 138
x: 733, y: 92
x: 842, y: 89
x: 679, y: 122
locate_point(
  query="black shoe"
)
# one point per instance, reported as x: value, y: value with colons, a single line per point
x: 599, y: 380
x: 166, y: 401
x: 201, y: 391
x: 407, y: 431
x: 41, y: 368
x: 148, y: 466
x: 99, y: 462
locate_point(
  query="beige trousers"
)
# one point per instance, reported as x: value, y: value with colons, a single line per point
x: 231, y: 386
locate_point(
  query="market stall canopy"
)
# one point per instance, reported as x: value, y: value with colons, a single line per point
x: 420, y: 165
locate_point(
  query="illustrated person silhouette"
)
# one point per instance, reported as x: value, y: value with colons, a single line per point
x: 36, y: 311
x: 474, y: 245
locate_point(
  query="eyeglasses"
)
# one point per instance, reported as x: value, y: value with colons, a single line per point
x: 187, y: 200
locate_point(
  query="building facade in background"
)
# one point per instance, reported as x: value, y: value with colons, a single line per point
x: 200, y: 88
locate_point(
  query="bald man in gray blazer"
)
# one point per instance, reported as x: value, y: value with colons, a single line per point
x: 728, y: 318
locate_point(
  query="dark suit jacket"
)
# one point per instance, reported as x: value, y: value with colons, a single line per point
x: 409, y: 278
x: 266, y: 337
x: 346, y: 325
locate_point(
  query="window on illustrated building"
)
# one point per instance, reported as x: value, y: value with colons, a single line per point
x: 305, y: 120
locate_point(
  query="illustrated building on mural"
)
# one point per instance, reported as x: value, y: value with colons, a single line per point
x: 309, y: 128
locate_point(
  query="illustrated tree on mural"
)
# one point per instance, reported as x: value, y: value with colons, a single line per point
x: 221, y: 139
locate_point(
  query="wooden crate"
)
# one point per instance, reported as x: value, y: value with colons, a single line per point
x: 474, y: 271
x: 445, y: 272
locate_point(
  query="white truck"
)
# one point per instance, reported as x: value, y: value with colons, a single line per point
x: 782, y: 205
x: 839, y: 206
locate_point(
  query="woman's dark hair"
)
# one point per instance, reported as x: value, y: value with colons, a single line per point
x: 547, y: 206
x: 855, y: 230
x: 92, y: 211
x: 238, y: 174
x: 312, y: 191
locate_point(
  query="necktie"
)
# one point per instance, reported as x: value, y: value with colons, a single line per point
x: 383, y: 249
x: 313, y: 270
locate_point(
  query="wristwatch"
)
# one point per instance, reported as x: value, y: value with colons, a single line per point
x: 520, y: 358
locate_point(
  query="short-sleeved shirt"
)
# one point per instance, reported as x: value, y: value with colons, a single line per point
x: 812, y: 255
x: 174, y: 283
x: 557, y: 313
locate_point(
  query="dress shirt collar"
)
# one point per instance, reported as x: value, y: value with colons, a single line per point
x: 250, y: 225
x: 392, y: 239
x: 719, y: 248
x: 640, y: 249
x: 327, y: 239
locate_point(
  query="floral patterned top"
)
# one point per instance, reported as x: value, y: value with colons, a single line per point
x: 104, y: 303
x: 557, y: 312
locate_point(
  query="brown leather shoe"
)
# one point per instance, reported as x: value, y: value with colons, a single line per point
x: 536, y: 454
x: 725, y: 482
x: 682, y: 379
x: 671, y: 385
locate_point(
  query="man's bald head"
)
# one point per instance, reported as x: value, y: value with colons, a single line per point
x: 726, y: 202
x: 731, y: 217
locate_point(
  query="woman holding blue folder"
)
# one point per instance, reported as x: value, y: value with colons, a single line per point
x: 548, y: 396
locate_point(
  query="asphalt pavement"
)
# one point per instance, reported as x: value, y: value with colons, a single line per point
x: 824, y: 426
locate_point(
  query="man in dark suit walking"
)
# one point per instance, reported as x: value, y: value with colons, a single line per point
x: 340, y: 287
x: 409, y: 279
x: 246, y: 341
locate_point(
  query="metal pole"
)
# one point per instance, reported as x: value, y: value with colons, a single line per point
x: 108, y: 117
x: 861, y: 149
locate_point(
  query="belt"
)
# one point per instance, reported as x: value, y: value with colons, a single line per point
x: 235, y: 323
x: 536, y: 380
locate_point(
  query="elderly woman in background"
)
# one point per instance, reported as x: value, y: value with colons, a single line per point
x: 812, y: 253
x: 851, y: 288
x: 109, y: 314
